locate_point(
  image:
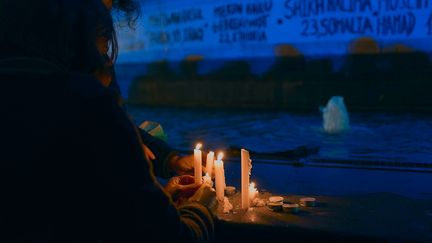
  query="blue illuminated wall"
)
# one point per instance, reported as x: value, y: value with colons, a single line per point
x: 224, y: 29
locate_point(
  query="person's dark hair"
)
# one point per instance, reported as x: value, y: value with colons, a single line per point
x: 60, y: 31
x: 130, y: 9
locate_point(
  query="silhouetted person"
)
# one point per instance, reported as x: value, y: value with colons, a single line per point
x: 72, y: 167
x: 166, y: 160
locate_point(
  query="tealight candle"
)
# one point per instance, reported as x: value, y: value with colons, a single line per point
x: 275, y: 206
x: 276, y: 199
x: 198, y: 163
x: 219, y: 178
x: 291, y: 208
x: 308, y: 201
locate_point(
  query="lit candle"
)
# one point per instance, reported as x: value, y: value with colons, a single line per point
x: 246, y: 164
x: 219, y: 177
x: 198, y: 163
x: 253, y: 192
x: 209, y: 163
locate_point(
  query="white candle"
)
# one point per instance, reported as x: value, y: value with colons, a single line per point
x: 253, y: 192
x: 209, y: 163
x: 245, y: 172
x: 219, y: 177
x: 198, y: 164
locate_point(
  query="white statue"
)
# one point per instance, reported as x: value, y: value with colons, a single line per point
x: 335, y: 116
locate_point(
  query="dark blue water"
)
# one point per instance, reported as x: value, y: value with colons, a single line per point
x: 400, y: 137
x: 372, y: 137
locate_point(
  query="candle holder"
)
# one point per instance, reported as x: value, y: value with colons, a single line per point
x: 308, y: 202
x: 291, y: 208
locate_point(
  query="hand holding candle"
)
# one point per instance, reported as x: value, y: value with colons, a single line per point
x: 182, y: 165
x: 181, y: 187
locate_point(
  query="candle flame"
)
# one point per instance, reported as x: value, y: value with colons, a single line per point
x: 220, y: 156
x: 253, y: 192
x: 198, y: 146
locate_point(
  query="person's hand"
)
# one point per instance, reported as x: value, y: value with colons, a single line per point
x: 182, y: 165
x: 148, y: 153
x: 206, y: 196
x: 181, y: 188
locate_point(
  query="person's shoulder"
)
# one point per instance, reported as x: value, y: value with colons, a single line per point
x: 86, y: 87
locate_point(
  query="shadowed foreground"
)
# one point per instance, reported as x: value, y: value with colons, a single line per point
x: 362, y: 218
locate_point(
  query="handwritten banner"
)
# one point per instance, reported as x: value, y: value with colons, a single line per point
x: 228, y: 29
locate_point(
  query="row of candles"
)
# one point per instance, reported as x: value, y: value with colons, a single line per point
x: 248, y: 190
